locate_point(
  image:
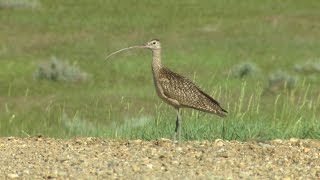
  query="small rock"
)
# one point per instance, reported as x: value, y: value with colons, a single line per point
x: 164, y: 142
x: 242, y: 165
x: 26, y: 171
x: 149, y: 166
x: 223, y: 155
x: 138, y: 141
x: 62, y: 173
x: 221, y: 150
x: 220, y: 143
x: 12, y: 176
x: 175, y: 162
x: 51, y: 176
x: 244, y: 175
x: 279, y: 141
x: 90, y: 139
x: 306, y: 150
x: 135, y: 168
x: 10, y: 138
x: 263, y: 145
x: 145, y: 160
x: 78, y: 141
x: 293, y: 140
x: 205, y: 142
x: 218, y: 140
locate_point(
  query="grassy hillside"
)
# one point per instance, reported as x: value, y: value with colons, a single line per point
x: 261, y: 60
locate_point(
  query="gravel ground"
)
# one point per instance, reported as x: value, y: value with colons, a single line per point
x: 95, y: 158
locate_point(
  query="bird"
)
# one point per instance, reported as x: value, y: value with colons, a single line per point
x: 175, y: 89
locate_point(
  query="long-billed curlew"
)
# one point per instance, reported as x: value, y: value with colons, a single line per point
x: 176, y: 90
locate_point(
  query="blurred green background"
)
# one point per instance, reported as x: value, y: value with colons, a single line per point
x: 260, y: 59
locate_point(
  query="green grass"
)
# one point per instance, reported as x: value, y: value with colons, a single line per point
x: 202, y: 40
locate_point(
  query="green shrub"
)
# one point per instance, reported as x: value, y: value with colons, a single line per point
x: 56, y: 70
x: 281, y: 80
x: 18, y: 4
x: 308, y: 67
x: 243, y: 70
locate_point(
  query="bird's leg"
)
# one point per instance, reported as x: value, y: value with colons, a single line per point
x: 177, y: 130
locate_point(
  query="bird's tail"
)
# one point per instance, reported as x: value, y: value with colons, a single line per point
x: 221, y: 112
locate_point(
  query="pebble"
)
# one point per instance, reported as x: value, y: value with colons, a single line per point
x: 13, y: 176
x: 219, y: 142
x: 135, y: 168
x: 164, y: 142
x: 279, y: 141
x: 263, y: 145
x: 149, y: 166
x: 306, y: 150
x: 294, y: 140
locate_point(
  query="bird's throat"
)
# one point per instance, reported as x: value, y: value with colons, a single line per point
x: 156, y: 61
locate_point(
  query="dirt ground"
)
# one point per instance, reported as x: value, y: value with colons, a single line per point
x: 95, y: 158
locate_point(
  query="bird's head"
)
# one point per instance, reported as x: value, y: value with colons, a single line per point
x: 154, y: 44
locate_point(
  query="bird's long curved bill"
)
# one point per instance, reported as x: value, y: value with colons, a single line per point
x: 124, y: 49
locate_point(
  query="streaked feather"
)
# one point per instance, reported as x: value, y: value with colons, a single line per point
x: 187, y: 93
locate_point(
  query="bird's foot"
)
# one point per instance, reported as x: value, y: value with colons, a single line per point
x: 174, y: 139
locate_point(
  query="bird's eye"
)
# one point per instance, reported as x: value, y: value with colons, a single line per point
x: 154, y: 42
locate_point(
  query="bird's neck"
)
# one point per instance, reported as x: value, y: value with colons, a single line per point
x: 156, y: 61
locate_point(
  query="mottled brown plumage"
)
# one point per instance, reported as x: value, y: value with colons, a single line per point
x: 186, y: 93
x: 176, y: 90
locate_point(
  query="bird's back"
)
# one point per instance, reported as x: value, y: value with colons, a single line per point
x: 186, y: 93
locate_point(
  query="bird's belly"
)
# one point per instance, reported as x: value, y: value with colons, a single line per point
x: 164, y: 98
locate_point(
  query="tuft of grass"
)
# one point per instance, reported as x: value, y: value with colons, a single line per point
x: 131, y: 128
x: 308, y: 67
x: 57, y: 70
x: 78, y: 126
x: 249, y: 118
x: 243, y: 70
x: 281, y: 80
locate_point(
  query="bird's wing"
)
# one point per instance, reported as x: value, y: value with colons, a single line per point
x: 184, y: 91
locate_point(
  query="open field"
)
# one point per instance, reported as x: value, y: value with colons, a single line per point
x: 203, y: 40
x: 66, y: 113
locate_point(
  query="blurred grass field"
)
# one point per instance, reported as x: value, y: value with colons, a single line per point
x: 202, y: 40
